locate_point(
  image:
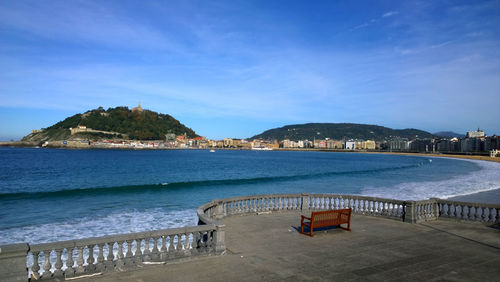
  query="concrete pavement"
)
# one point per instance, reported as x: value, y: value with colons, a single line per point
x: 269, y: 248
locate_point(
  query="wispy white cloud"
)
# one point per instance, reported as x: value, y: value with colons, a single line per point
x: 375, y: 20
x: 390, y: 14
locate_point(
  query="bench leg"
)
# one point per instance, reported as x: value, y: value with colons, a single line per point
x: 310, y: 231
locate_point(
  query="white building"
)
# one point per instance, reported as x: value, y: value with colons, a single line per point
x: 475, y: 134
x: 350, y: 145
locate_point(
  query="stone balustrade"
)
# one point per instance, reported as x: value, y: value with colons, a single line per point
x: 60, y: 260
x: 407, y: 211
x: 117, y: 252
x: 469, y: 211
x: 300, y: 202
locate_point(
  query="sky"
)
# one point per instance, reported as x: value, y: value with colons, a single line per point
x: 237, y: 68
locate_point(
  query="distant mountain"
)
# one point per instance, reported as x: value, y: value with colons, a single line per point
x: 119, y: 122
x: 449, y: 134
x: 338, y: 131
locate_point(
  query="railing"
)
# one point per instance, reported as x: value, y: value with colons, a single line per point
x: 408, y: 211
x: 87, y: 256
x: 218, y: 209
x: 67, y: 259
x: 469, y: 211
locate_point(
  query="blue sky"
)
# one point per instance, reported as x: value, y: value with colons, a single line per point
x: 237, y: 68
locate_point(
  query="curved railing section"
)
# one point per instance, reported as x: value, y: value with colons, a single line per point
x: 218, y: 209
x: 408, y: 211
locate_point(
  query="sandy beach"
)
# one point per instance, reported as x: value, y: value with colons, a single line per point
x: 468, y: 157
x: 487, y: 197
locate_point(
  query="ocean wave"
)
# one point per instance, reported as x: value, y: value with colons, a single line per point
x: 487, y: 178
x: 86, y: 227
x: 193, y: 184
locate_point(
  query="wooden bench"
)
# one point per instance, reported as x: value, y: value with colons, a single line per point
x: 326, y: 218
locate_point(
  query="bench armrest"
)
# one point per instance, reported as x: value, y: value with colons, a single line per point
x: 305, y: 217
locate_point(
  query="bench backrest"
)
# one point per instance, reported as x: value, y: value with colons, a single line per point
x: 333, y: 216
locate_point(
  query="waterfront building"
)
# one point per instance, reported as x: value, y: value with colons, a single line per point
x: 350, y: 145
x: 228, y: 142
x: 333, y: 144
x: 475, y: 134
x: 472, y: 144
x: 220, y: 144
x: 492, y: 143
x: 308, y: 144
x: 272, y: 144
x: 322, y: 144
x: 366, y: 145
x: 422, y: 145
x: 285, y: 143
x: 399, y: 144
x: 445, y: 145
x: 237, y: 143
x: 336, y: 144
x: 381, y: 145
x: 316, y: 143
x: 246, y: 145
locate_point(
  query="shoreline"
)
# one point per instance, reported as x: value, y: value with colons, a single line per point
x: 21, y: 144
x: 453, y: 156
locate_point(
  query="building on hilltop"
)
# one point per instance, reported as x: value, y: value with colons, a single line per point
x: 138, y: 108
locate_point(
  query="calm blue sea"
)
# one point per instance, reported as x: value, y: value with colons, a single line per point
x: 57, y: 194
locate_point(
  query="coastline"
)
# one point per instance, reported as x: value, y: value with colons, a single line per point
x: 453, y: 156
x: 485, y: 197
x: 22, y: 144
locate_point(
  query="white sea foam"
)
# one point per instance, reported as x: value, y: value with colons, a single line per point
x: 85, y: 227
x: 485, y: 179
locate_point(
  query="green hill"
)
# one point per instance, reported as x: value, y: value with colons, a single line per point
x: 339, y: 131
x: 120, y: 122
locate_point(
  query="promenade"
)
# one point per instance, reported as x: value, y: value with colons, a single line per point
x: 268, y: 247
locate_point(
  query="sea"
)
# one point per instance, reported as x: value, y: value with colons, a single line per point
x: 49, y: 195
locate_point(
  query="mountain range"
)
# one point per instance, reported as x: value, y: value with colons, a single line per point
x: 310, y: 131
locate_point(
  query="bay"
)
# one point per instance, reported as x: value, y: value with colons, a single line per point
x: 56, y: 194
